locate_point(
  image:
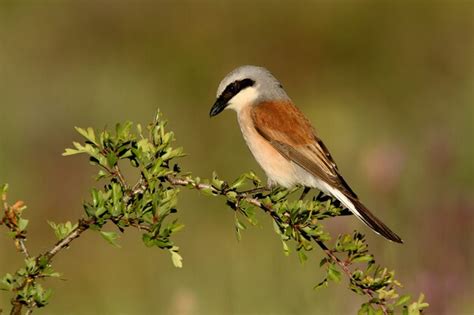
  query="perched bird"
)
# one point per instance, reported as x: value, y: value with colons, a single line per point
x: 283, y: 141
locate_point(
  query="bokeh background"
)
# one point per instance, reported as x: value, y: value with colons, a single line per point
x: 389, y: 86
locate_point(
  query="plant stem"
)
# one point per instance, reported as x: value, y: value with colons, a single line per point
x: 82, y: 226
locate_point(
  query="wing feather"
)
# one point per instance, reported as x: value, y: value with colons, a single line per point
x: 291, y: 134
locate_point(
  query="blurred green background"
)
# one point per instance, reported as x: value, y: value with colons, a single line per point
x: 389, y: 86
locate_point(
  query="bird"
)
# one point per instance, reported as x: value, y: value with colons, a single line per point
x: 283, y: 141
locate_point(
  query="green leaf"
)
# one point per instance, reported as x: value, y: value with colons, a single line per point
x: 148, y: 240
x: 302, y: 256
x: 101, y: 174
x: 323, y: 283
x: 110, y: 237
x: 379, y: 312
x: 68, y: 152
x: 176, y: 227
x: 49, y: 272
x: 117, y: 194
x: 61, y: 230
x: 371, y: 310
x: 111, y: 159
x: 415, y: 308
x: 364, y: 309
x: 4, y: 188
x: 7, y: 282
x: 88, y: 134
x: 402, y: 300
x: 286, y: 249
x: 364, y: 258
x: 216, y: 182
x: 239, y: 226
x: 176, y: 258
x: 123, y: 130
x: 240, y: 181
x: 276, y: 227
x: 40, y: 295
x: 208, y: 192
x: 333, y: 273
x: 30, y: 263
x: 144, y: 145
x: 323, y: 261
x: 172, y: 153
x: 22, y: 224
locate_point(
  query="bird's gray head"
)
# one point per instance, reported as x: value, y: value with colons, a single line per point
x: 247, y: 85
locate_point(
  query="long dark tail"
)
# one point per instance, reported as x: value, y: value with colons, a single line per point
x: 361, y: 212
x: 374, y: 223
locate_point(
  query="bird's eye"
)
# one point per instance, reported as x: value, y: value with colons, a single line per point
x: 233, y: 88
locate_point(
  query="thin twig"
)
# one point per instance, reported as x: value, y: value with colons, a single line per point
x: 82, y: 226
x: 118, y: 173
x: 22, y: 247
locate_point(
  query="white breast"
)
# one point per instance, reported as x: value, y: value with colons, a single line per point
x: 278, y: 169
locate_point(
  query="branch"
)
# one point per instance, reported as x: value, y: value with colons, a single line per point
x: 145, y: 206
x: 11, y: 217
x: 42, y: 262
x: 223, y: 189
x: 369, y: 292
x: 153, y: 198
x: 82, y: 226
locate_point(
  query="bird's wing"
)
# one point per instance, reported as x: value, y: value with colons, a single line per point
x: 291, y: 134
x: 285, y: 127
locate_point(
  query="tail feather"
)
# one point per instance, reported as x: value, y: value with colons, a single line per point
x: 361, y: 212
x: 374, y: 223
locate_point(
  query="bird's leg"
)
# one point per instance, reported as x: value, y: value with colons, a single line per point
x: 305, y: 192
x: 322, y: 197
x: 345, y: 212
x: 257, y: 190
x: 254, y: 190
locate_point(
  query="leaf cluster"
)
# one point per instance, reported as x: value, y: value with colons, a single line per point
x: 145, y: 205
x: 151, y: 200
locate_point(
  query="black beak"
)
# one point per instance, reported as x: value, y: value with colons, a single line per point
x: 218, y: 106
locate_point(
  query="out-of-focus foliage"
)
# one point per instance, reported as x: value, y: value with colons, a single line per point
x: 388, y: 86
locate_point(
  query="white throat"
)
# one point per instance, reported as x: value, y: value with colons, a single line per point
x: 244, y: 98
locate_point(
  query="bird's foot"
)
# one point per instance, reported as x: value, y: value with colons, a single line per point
x: 305, y: 192
x: 255, y: 190
x: 322, y: 197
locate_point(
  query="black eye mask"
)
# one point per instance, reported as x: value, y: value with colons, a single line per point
x: 229, y: 92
